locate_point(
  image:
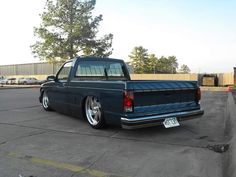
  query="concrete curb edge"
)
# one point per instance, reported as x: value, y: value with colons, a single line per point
x: 15, y: 87
x: 231, y: 106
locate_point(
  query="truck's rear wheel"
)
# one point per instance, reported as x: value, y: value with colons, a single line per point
x: 93, y: 112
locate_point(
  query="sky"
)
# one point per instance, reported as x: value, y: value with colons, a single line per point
x: 200, y: 33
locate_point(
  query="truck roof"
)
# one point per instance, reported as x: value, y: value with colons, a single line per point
x: 99, y: 59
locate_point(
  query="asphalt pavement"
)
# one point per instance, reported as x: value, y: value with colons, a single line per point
x: 34, y: 142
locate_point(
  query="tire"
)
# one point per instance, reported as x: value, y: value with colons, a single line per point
x: 45, y: 102
x: 93, y: 113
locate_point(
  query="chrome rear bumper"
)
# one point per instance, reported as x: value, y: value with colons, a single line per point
x: 148, y: 121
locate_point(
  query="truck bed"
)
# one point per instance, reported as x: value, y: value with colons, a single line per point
x: 155, y: 100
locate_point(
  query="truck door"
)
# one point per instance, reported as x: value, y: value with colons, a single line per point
x: 59, y: 92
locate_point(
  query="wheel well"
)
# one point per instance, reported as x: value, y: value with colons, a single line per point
x: 83, y: 107
x: 41, y: 95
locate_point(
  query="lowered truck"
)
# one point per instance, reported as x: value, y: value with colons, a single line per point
x: 101, y: 91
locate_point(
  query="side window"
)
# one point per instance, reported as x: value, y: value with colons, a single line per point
x: 63, y: 74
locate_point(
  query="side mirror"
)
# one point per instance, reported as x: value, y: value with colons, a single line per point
x: 51, y: 78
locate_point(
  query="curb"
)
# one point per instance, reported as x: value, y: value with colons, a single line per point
x: 214, y: 89
x: 231, y: 106
x: 19, y: 87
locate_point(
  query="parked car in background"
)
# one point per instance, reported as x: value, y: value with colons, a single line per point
x: 29, y: 80
x: 41, y: 81
x: 11, y: 81
x: 3, y: 81
x: 1, y: 78
x: 19, y: 80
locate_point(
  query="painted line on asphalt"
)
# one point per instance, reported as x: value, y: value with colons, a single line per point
x: 61, y: 165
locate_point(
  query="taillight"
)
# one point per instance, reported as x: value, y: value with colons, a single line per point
x: 128, y: 101
x: 198, y: 94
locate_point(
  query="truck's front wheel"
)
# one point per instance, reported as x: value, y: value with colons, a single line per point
x: 45, y: 102
x: 93, y: 112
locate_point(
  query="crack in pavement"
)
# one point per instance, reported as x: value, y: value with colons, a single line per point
x: 219, y: 148
x: 18, y: 108
x: 91, y: 164
x: 33, y: 133
x: 4, y: 142
x: 45, y: 117
x: 111, y: 137
x: 191, y: 131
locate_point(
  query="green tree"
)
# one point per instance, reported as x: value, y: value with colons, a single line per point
x: 68, y: 29
x: 173, y: 64
x: 138, y: 59
x: 184, y: 69
x: 150, y: 64
x: 167, y: 65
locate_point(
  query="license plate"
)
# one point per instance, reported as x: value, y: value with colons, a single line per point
x: 171, y: 122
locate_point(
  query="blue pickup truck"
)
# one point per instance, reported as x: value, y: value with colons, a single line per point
x: 101, y: 91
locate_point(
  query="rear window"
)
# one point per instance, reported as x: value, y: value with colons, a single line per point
x: 99, y: 69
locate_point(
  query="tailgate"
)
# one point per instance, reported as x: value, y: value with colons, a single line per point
x: 159, y: 97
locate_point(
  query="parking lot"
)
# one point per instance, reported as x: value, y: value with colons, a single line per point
x: 48, y: 144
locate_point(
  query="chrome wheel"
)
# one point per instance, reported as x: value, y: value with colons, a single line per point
x: 93, y: 111
x: 45, y: 101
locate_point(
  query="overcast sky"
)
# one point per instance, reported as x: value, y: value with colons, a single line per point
x: 200, y: 33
